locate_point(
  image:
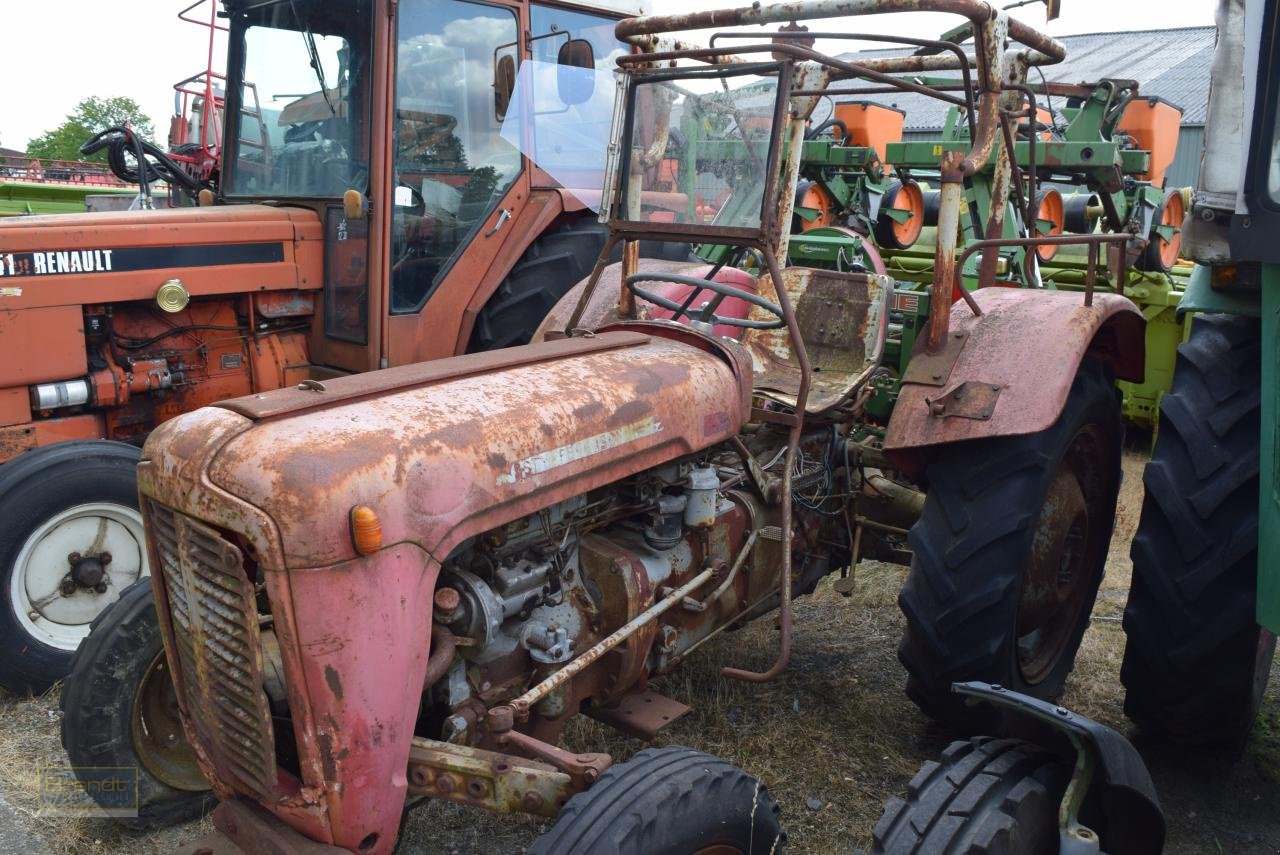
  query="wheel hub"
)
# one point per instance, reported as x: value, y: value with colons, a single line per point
x: 89, y: 571
x: 158, y: 738
x: 72, y: 566
x: 1056, y: 578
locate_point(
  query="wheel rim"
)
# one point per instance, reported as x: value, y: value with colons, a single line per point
x: 74, y: 565
x: 158, y: 738
x: 1060, y: 571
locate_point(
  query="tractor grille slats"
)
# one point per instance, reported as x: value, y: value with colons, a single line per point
x: 215, y: 626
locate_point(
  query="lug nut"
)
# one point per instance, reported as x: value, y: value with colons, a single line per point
x: 73, y: 558
x: 100, y: 588
x: 448, y: 600
x: 532, y: 802
x: 67, y: 587
x: 105, y: 558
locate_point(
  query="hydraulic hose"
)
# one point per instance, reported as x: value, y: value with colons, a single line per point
x: 153, y: 164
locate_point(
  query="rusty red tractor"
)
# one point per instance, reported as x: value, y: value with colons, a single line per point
x: 335, y: 239
x: 377, y: 589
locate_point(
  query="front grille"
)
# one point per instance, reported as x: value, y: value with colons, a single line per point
x: 215, y: 629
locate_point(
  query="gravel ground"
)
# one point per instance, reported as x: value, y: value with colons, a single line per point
x: 834, y: 731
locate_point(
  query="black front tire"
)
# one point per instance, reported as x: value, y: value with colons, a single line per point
x: 985, y: 797
x: 667, y: 801
x: 107, y: 715
x: 1196, y: 662
x: 36, y: 489
x: 973, y: 607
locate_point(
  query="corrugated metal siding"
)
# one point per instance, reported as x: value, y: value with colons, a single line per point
x: 1173, y: 64
x: 1185, y: 170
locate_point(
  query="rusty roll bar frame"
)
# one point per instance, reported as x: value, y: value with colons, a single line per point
x: 635, y: 30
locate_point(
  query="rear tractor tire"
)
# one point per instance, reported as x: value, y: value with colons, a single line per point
x: 120, y: 710
x: 985, y: 797
x: 1008, y: 556
x: 71, y: 542
x: 668, y: 801
x: 1196, y: 661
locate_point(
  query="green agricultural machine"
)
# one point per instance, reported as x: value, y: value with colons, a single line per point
x: 29, y: 186
x: 1092, y: 163
x: 1204, y: 606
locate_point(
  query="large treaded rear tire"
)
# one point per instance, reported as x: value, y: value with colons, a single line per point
x: 972, y: 549
x: 1196, y: 661
x: 98, y: 707
x: 667, y: 801
x: 552, y: 264
x: 986, y: 797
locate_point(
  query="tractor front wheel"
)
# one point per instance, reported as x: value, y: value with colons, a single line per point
x: 1196, y: 661
x: 120, y: 710
x: 72, y: 540
x: 668, y: 801
x: 986, y: 797
x: 1008, y: 556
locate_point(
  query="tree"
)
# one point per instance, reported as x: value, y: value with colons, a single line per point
x: 88, y: 118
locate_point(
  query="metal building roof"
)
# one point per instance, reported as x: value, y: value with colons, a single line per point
x: 1173, y: 64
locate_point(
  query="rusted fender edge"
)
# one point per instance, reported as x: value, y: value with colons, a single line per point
x: 1024, y: 349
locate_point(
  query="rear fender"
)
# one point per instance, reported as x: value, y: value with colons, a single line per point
x: 1007, y: 372
x: 1110, y: 782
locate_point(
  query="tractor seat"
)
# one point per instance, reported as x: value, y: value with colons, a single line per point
x: 843, y: 319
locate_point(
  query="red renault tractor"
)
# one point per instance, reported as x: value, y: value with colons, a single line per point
x: 368, y: 211
x: 398, y: 586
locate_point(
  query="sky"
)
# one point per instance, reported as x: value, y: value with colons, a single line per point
x: 95, y: 48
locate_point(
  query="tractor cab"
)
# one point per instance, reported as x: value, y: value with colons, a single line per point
x: 398, y: 137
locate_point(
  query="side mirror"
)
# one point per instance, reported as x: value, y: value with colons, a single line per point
x: 504, y: 84
x: 575, y: 87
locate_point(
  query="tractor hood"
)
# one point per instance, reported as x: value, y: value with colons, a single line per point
x: 81, y: 259
x: 444, y: 451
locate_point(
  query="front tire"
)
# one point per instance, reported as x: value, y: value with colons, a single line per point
x: 986, y: 797
x: 1008, y: 556
x: 1196, y: 662
x: 668, y: 801
x: 71, y: 541
x: 120, y: 709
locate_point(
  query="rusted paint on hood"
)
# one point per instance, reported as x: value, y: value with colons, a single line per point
x: 445, y: 461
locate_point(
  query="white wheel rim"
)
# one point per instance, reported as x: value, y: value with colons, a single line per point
x: 47, y: 615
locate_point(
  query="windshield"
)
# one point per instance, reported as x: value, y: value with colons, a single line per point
x: 299, y: 126
x: 696, y: 159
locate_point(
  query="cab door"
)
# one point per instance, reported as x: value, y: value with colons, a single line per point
x: 455, y: 178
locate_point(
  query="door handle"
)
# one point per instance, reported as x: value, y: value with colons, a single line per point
x: 502, y: 221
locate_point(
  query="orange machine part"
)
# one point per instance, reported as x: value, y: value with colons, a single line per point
x: 907, y: 197
x: 1174, y: 212
x: 1050, y: 209
x: 41, y: 345
x: 871, y: 125
x: 815, y: 197
x: 1153, y: 123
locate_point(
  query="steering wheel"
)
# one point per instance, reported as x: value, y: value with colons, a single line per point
x: 706, y: 313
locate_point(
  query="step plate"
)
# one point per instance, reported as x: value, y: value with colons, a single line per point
x: 641, y: 714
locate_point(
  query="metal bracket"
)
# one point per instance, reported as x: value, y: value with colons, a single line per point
x: 972, y: 399
x: 488, y: 779
x: 934, y: 369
